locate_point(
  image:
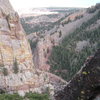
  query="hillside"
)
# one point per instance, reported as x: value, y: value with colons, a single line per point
x: 44, y: 19
x: 71, y: 37
x: 42, y: 43
x: 85, y: 85
x: 68, y: 57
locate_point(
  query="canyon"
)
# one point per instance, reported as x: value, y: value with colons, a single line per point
x: 37, y: 67
x: 17, y: 71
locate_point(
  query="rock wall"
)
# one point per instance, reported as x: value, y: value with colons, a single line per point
x: 17, y: 70
x: 42, y: 52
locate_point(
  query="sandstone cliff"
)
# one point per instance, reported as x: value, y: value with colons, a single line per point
x: 17, y: 71
x: 16, y: 67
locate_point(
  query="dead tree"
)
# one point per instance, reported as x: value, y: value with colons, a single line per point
x: 85, y: 85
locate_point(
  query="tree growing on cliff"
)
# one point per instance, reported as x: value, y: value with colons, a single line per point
x: 15, y: 66
x: 60, y: 34
x: 5, y: 71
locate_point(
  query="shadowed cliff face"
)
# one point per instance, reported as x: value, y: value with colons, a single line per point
x: 86, y: 84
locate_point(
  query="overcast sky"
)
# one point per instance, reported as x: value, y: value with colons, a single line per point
x: 19, y: 4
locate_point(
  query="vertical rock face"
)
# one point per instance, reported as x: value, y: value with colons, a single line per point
x: 42, y: 52
x: 17, y: 71
x: 16, y: 67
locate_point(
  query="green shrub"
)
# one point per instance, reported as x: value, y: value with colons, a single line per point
x: 5, y: 71
x: 10, y: 97
x: 36, y: 96
x: 15, y: 67
x: 1, y: 65
x: 33, y: 44
x: 60, y: 34
x: 28, y: 96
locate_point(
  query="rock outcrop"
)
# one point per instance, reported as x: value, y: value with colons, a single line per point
x: 16, y: 66
x: 85, y: 85
x: 42, y: 52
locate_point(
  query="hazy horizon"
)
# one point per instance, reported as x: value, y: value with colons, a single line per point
x: 27, y: 4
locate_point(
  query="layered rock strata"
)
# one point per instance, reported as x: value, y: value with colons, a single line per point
x: 16, y: 67
x: 17, y: 71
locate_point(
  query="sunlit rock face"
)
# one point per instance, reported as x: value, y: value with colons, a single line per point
x: 17, y: 71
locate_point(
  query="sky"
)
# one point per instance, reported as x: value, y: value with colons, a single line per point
x: 19, y: 4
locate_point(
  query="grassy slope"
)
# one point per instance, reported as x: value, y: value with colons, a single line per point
x: 65, y: 57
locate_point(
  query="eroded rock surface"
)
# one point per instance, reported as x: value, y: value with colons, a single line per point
x: 17, y: 71
x: 16, y: 66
